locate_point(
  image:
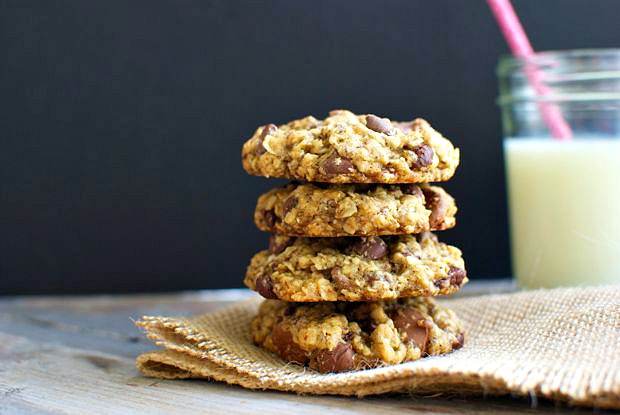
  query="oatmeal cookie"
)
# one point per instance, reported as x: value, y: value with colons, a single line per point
x: 356, y: 268
x: 328, y: 210
x: 349, y: 148
x: 339, y: 337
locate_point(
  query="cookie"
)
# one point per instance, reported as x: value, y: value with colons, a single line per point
x: 349, y: 148
x: 329, y: 210
x: 356, y: 268
x: 339, y: 337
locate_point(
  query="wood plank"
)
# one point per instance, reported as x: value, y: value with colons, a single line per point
x: 101, y: 323
x: 52, y: 379
x: 76, y: 355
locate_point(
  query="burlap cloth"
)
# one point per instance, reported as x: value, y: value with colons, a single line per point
x: 560, y: 344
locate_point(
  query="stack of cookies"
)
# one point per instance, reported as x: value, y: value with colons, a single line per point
x: 352, y: 265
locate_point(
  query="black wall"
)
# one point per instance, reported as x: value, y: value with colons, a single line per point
x: 121, y: 122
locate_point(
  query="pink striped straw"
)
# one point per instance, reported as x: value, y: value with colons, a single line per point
x: 520, y: 46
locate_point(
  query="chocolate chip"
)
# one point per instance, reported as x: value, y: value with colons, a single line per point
x: 273, y: 245
x: 283, y: 341
x: 460, y: 341
x: 456, y: 275
x: 411, y: 189
x: 270, y: 218
x: 278, y: 243
x: 371, y: 248
x: 424, y: 155
x: 441, y: 282
x: 267, y: 130
x: 264, y: 287
x: 405, y: 127
x: 413, y: 325
x: 340, y: 281
x: 338, y: 360
x: 379, y: 125
x: 373, y: 276
x: 335, y: 165
x: 289, y: 204
x: 259, y: 149
x: 438, y: 206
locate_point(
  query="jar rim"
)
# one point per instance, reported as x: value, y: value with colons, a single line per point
x: 598, y: 97
x: 508, y: 63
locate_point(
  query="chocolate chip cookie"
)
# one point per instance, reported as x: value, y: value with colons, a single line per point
x: 339, y: 337
x: 330, y: 210
x: 356, y: 268
x: 349, y: 148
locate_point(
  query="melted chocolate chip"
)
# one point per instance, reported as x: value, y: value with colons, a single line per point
x: 340, y: 281
x: 437, y: 205
x: 264, y: 287
x: 267, y: 130
x: 289, y: 204
x: 379, y: 125
x: 338, y: 360
x: 283, y: 341
x: 335, y: 165
x: 278, y: 243
x: 372, y: 248
x: 270, y: 218
x: 441, y: 282
x: 424, y: 155
x: 413, y: 325
x: 372, y: 276
x: 456, y: 275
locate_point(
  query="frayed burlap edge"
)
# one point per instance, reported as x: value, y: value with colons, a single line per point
x: 511, y: 348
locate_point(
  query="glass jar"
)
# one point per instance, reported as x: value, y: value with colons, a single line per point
x: 563, y: 194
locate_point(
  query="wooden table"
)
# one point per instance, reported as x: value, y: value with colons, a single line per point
x: 75, y: 355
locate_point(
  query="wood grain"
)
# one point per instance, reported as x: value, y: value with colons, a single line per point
x: 75, y: 355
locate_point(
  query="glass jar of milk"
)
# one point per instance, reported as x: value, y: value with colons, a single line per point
x: 564, y: 195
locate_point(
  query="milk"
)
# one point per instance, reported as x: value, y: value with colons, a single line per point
x: 564, y: 203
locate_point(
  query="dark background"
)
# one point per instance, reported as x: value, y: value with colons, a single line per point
x: 122, y: 122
